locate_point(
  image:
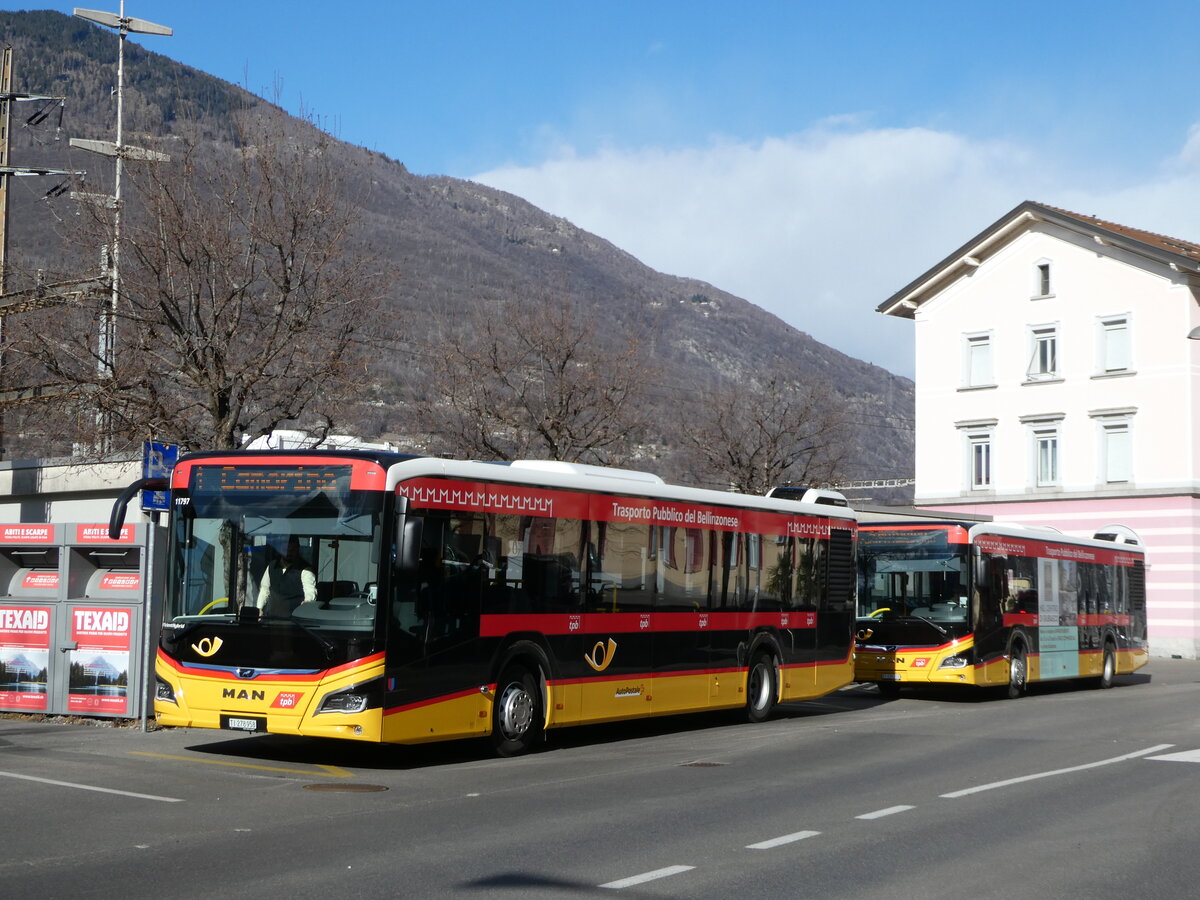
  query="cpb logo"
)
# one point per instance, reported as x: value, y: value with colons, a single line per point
x: 601, y: 655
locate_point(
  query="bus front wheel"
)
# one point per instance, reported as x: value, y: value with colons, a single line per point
x: 518, y: 719
x: 761, y: 688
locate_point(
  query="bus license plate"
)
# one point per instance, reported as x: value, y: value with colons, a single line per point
x: 890, y: 676
x: 242, y: 723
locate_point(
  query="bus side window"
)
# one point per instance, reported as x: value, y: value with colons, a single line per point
x: 621, y: 574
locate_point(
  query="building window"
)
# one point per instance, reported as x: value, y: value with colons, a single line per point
x: 1043, y: 358
x: 981, y: 460
x: 1113, y: 345
x: 1118, y: 456
x: 1041, y: 279
x: 977, y: 452
x: 1045, y: 444
x: 1114, y: 447
x: 977, y: 360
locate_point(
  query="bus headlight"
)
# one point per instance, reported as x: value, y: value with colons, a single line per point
x: 164, y: 691
x: 958, y: 661
x: 354, y: 699
x: 343, y: 702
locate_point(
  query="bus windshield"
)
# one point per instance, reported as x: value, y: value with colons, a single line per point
x: 254, y: 552
x: 915, y: 573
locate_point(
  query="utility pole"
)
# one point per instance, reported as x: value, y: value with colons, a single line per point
x: 106, y: 346
x: 42, y: 295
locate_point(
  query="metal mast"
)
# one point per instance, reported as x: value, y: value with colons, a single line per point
x: 125, y: 25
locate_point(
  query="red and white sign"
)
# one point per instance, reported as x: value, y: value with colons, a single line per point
x: 99, y: 678
x: 25, y: 626
x: 27, y: 534
x: 120, y: 581
x: 25, y: 653
x: 40, y: 581
x: 98, y: 534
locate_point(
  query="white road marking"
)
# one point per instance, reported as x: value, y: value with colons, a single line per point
x: 880, y: 813
x: 780, y: 841
x: 647, y: 876
x: 1184, y: 756
x: 1023, y: 778
x: 91, y: 787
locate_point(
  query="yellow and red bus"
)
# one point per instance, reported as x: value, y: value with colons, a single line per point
x: 990, y: 604
x: 448, y: 599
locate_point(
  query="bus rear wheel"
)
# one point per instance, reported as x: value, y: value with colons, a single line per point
x: 1018, y: 673
x: 518, y: 719
x: 1108, y: 668
x: 761, y: 689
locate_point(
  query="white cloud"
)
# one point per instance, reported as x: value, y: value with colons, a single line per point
x: 822, y: 226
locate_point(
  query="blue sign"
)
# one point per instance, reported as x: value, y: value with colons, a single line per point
x: 158, y: 460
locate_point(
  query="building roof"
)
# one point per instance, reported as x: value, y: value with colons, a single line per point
x: 1182, y: 256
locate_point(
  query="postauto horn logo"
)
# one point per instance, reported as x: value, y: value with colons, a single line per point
x: 601, y: 656
x: 207, y: 647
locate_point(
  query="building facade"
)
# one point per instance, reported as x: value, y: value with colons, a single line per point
x: 1056, y: 385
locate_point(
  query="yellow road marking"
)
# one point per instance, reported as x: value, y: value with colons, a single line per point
x: 332, y: 771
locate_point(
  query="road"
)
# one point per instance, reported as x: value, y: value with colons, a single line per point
x: 1065, y: 793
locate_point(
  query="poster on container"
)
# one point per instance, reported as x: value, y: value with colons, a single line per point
x: 24, y: 657
x: 99, y: 679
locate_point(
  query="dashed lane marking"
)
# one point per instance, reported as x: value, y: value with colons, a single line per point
x: 633, y: 880
x: 1093, y: 765
x: 880, y: 813
x: 784, y: 839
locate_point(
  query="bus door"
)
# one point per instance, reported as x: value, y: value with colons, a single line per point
x: 616, y: 663
x: 683, y: 623
x: 434, y: 621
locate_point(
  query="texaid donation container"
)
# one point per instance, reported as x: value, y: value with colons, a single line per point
x: 30, y: 582
x: 78, y: 617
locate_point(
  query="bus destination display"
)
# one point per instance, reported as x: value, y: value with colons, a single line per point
x: 269, y: 479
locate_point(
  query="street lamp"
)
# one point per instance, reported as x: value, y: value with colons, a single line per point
x: 124, y: 25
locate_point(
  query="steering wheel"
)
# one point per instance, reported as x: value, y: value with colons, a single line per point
x: 211, y: 604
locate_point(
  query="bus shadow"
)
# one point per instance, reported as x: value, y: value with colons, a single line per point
x: 282, y: 750
x: 967, y: 695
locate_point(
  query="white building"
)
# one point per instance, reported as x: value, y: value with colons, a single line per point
x: 1056, y: 385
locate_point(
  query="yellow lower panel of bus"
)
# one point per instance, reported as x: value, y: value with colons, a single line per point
x: 468, y: 714
x: 811, y: 681
x: 922, y: 665
x: 276, y: 705
x: 607, y: 700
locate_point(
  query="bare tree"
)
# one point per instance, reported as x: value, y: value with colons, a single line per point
x: 241, y: 305
x: 781, y: 430
x: 535, y: 380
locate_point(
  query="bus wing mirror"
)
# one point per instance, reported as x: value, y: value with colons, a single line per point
x: 408, y: 537
x: 117, y: 518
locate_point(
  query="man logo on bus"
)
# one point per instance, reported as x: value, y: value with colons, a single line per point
x: 208, y: 646
x: 601, y: 656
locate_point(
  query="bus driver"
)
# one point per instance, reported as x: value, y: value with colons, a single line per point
x: 287, y: 582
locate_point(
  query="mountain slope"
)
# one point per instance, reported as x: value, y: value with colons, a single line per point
x: 458, y: 245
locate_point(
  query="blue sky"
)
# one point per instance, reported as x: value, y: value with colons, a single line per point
x: 812, y: 158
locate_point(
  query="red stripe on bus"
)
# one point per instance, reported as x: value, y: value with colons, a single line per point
x: 500, y: 624
x: 428, y: 492
x: 229, y: 673
x: 1091, y: 620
